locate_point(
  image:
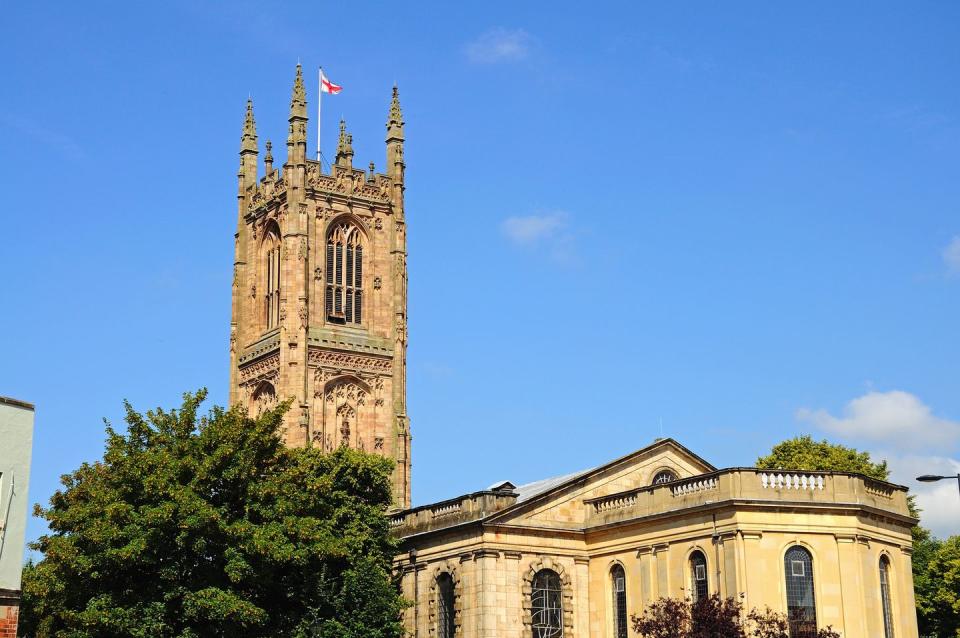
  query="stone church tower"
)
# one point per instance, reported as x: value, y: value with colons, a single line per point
x: 320, y: 293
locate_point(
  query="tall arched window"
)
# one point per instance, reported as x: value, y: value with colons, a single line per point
x: 445, y: 606
x: 344, y: 293
x: 547, y: 605
x: 698, y: 576
x: 618, y: 580
x: 885, y: 597
x: 271, y: 265
x: 801, y: 604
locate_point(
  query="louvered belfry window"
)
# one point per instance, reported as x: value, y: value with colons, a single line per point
x: 271, y: 297
x: 343, y: 297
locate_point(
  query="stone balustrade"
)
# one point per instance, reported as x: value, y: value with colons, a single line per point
x: 452, y: 512
x: 747, y: 484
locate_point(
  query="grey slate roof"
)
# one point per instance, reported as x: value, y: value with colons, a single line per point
x: 528, y: 491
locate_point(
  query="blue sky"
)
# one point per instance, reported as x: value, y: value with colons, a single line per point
x: 741, y: 220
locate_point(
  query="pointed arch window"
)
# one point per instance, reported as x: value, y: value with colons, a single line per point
x: 271, y: 270
x: 446, y: 613
x: 801, y: 601
x: 343, y: 297
x: 618, y: 581
x: 885, y: 597
x: 699, y: 587
x: 546, y: 599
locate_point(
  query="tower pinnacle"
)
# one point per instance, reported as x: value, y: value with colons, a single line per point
x: 344, y: 146
x: 248, y: 140
x: 298, y: 101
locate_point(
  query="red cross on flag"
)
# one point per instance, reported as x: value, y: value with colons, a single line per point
x: 326, y: 86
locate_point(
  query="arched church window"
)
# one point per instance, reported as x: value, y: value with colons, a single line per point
x: 698, y: 576
x: 885, y: 597
x: 344, y: 291
x: 446, y: 614
x: 618, y: 580
x: 271, y: 266
x: 801, y: 603
x: 664, y: 476
x: 547, y: 605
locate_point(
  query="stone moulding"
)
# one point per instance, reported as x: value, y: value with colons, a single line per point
x: 349, y: 361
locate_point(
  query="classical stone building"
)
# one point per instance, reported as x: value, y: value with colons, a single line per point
x: 320, y: 292
x: 319, y: 316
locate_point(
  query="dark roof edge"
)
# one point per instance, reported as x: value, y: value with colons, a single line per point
x: 17, y: 403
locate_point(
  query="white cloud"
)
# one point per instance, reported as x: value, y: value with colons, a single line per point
x: 534, y: 228
x: 898, y: 427
x: 951, y: 256
x: 939, y: 502
x: 894, y: 417
x: 499, y: 45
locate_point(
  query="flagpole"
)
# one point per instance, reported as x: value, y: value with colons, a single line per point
x: 319, y: 106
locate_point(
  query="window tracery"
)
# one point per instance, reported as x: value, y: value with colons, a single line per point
x: 885, y: 597
x: 271, y: 276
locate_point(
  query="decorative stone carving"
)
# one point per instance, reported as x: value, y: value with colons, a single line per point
x: 350, y: 361
x: 378, y: 443
x: 377, y: 283
x: 266, y: 368
x: 264, y: 398
x: 377, y: 223
x: 302, y: 249
x: 253, y: 290
x: 318, y: 273
x: 302, y: 313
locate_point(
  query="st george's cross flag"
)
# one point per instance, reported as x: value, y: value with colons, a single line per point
x: 326, y: 86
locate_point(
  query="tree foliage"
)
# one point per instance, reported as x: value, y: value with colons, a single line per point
x: 712, y: 617
x: 937, y: 587
x: 803, y: 453
x: 210, y: 526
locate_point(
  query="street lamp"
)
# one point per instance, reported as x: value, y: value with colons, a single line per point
x: 933, y: 478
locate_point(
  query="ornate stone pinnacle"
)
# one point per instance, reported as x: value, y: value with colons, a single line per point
x: 248, y: 140
x: 268, y: 158
x: 396, y: 115
x: 298, y: 102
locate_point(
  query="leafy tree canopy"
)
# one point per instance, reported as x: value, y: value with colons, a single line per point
x: 803, y: 453
x: 210, y: 526
x: 937, y: 587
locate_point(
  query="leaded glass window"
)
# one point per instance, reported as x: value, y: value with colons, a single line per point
x: 546, y: 601
x: 664, y: 476
x: 619, y: 581
x: 445, y: 606
x: 343, y: 297
x: 698, y: 576
x: 885, y: 597
x: 801, y: 603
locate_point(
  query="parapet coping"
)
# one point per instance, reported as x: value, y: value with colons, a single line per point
x: 17, y: 403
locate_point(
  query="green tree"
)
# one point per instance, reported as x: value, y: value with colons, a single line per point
x: 210, y: 526
x: 937, y: 587
x: 803, y: 453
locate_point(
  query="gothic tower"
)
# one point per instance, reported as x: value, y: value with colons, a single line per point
x: 320, y: 293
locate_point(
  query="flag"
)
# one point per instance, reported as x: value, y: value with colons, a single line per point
x: 326, y: 86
